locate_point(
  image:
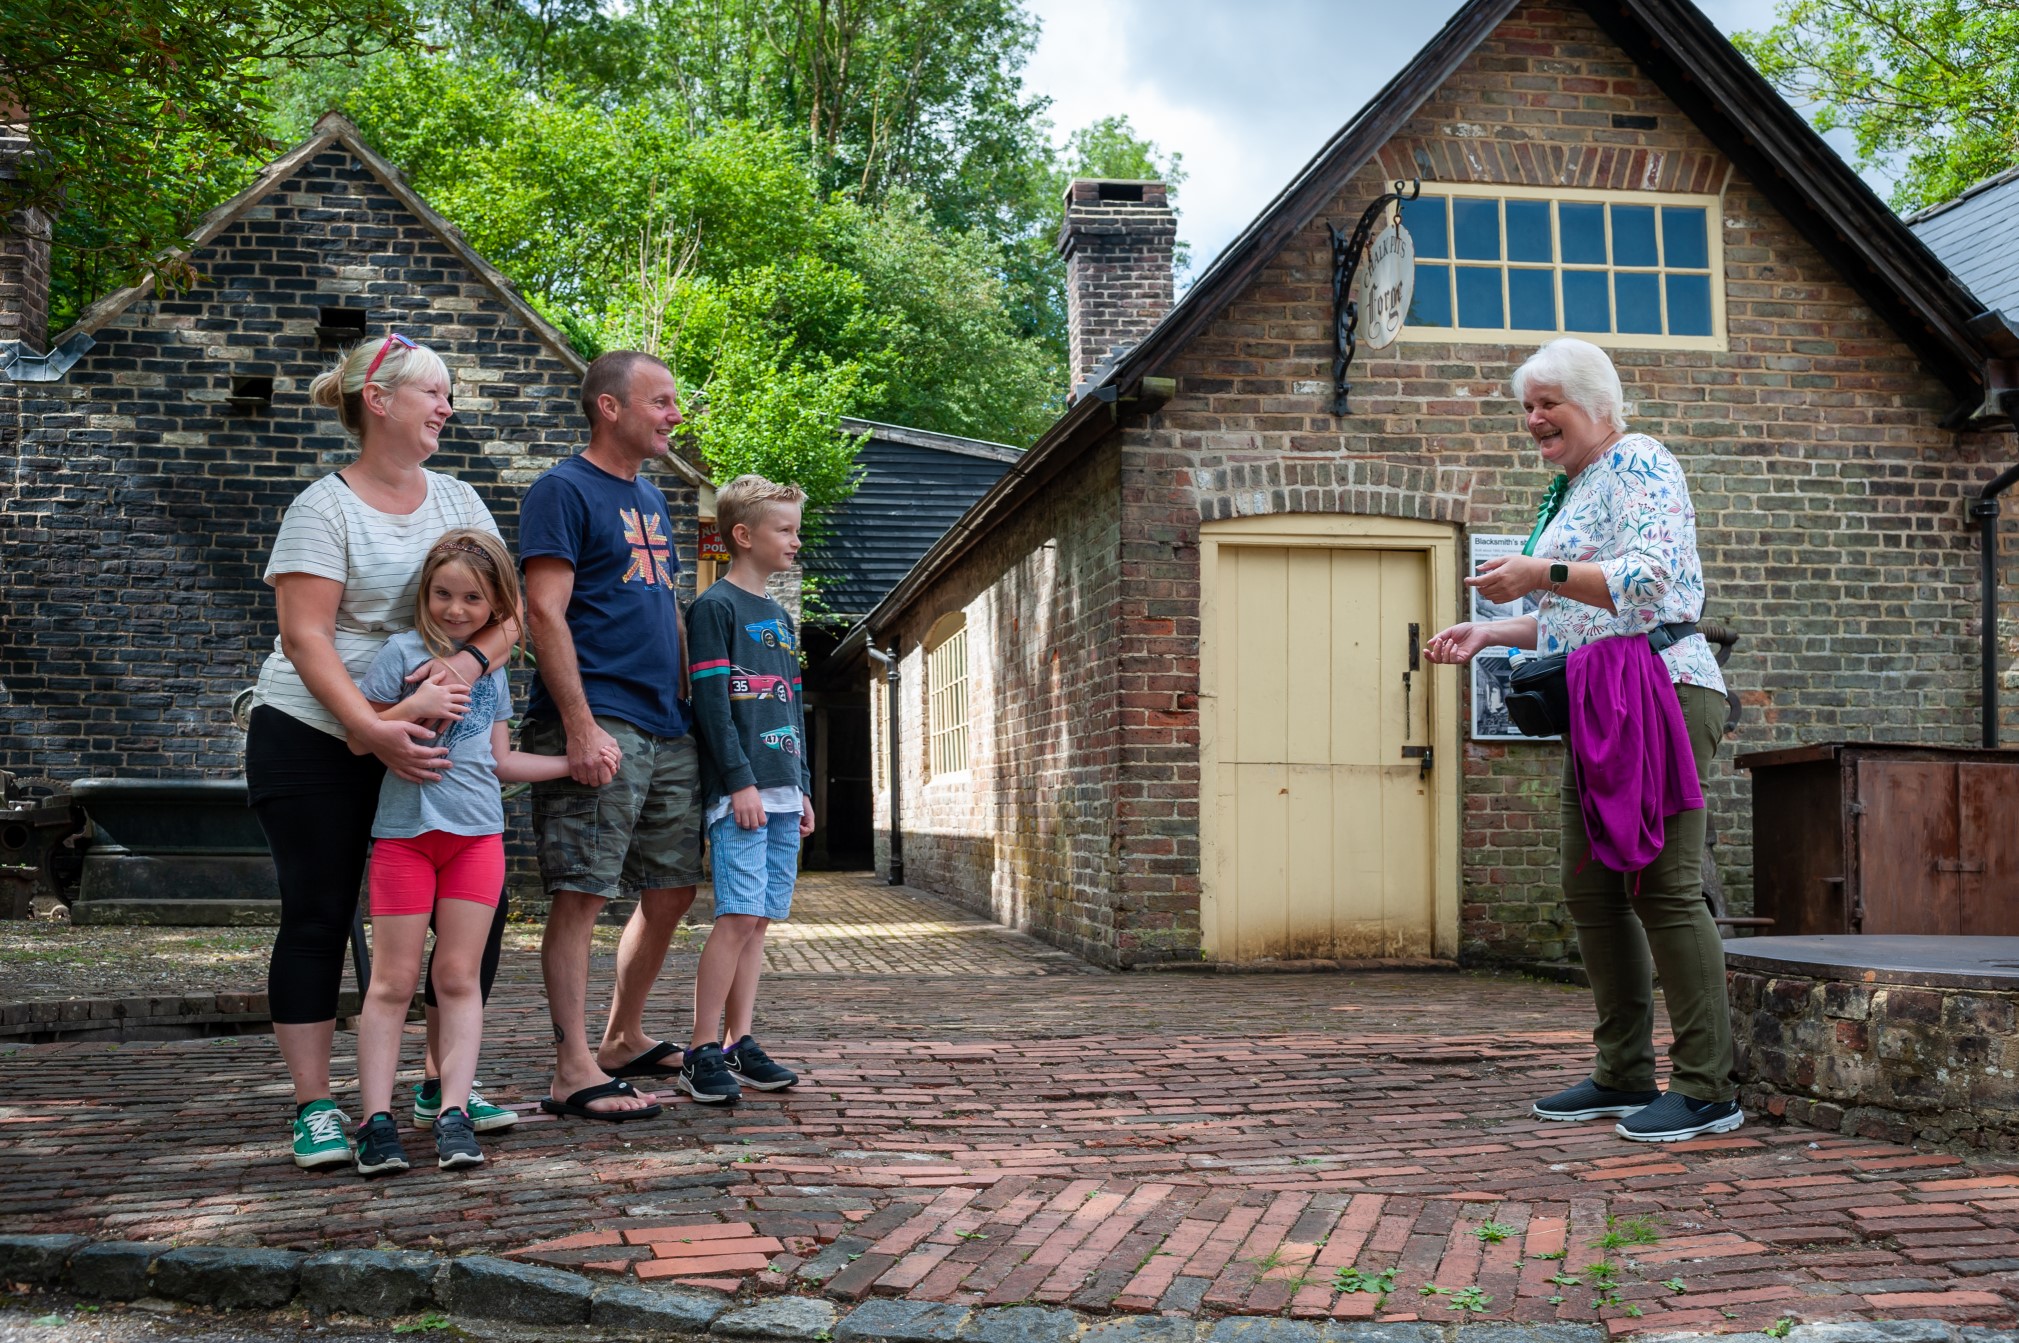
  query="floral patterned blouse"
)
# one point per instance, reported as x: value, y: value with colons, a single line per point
x: 1629, y: 512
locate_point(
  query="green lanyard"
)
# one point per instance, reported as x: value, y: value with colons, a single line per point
x: 1551, y: 505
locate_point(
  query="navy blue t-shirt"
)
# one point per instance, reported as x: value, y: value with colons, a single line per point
x: 624, y: 612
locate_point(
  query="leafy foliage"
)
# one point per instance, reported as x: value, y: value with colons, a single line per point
x: 1928, y: 86
x: 147, y: 112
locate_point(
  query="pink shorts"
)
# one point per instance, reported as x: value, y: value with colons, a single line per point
x: 409, y: 875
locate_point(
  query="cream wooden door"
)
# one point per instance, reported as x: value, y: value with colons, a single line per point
x: 1321, y: 842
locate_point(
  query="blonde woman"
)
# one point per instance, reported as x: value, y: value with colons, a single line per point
x: 345, y: 571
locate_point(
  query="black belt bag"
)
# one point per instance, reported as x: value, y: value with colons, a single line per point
x: 1538, y: 689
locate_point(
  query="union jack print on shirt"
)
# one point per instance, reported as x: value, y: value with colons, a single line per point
x: 650, y: 550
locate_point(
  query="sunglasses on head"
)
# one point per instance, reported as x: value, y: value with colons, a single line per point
x: 395, y: 339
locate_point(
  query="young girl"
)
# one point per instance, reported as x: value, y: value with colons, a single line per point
x: 439, y: 849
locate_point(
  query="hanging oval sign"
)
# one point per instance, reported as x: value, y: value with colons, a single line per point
x: 1387, y: 284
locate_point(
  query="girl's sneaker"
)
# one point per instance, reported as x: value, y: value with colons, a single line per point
x: 750, y: 1065
x: 706, y: 1078
x: 456, y: 1141
x: 319, y: 1136
x: 484, y: 1116
x: 378, y: 1146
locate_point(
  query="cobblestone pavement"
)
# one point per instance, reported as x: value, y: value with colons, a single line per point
x: 1031, y: 1130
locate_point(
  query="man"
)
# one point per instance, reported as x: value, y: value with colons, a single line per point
x: 596, y: 543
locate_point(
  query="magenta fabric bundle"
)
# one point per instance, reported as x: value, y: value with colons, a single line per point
x: 1630, y: 748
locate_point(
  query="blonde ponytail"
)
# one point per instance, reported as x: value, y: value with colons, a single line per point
x: 340, y: 387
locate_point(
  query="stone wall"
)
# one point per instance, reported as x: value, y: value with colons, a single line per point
x: 1830, y: 501
x: 139, y: 507
x: 1900, y: 1062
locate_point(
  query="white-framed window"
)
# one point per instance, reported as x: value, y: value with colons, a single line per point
x: 946, y: 694
x: 1627, y: 269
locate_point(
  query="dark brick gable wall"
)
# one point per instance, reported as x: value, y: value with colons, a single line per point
x: 138, y: 509
x: 1831, y: 503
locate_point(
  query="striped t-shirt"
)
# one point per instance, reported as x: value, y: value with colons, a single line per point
x: 331, y: 533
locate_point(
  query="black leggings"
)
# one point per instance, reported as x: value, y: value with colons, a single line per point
x: 315, y: 801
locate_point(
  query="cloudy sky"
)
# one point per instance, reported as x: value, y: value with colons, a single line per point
x: 1247, y: 90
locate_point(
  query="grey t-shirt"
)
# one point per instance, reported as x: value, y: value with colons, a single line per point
x: 465, y: 801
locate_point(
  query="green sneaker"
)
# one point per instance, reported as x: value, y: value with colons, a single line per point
x: 484, y: 1116
x: 319, y: 1136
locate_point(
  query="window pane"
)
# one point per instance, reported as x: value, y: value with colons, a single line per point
x: 1638, y: 298
x: 1424, y: 218
x: 1531, y: 300
x: 1633, y: 235
x: 1528, y: 231
x: 1432, y: 304
x: 1587, y: 306
x: 1479, y: 295
x: 1583, y: 228
x: 1682, y: 237
x: 1475, y: 226
x: 1689, y: 305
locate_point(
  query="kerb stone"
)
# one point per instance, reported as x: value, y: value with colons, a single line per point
x: 227, y: 1277
x: 1141, y: 1329
x: 37, y: 1259
x: 115, y: 1270
x: 1023, y: 1324
x: 1875, y: 1331
x: 1531, y: 1333
x: 654, y: 1311
x: 1235, y: 1329
x: 378, y: 1283
x: 498, y: 1289
x: 783, y: 1317
x: 888, y: 1320
x: 1366, y: 1331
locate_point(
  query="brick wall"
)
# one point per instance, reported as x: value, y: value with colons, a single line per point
x: 24, y: 261
x: 1830, y: 501
x: 138, y: 509
x: 1024, y: 834
x: 1118, y: 239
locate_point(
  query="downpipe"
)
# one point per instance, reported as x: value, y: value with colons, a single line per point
x: 1985, y: 510
x: 888, y: 661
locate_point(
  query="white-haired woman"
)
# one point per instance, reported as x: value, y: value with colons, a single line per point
x: 1614, y: 555
x: 345, y: 569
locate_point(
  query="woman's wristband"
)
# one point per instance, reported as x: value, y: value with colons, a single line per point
x: 483, y: 663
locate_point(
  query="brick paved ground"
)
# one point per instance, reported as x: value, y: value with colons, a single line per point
x: 985, y: 1122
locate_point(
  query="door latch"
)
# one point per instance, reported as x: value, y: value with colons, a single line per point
x: 1421, y: 755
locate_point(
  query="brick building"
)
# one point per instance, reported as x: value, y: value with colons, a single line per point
x: 151, y: 450
x: 1159, y: 695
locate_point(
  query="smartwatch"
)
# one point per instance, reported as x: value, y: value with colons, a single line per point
x: 1558, y: 573
x: 484, y: 663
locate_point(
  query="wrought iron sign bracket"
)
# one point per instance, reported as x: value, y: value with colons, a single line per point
x: 1346, y: 254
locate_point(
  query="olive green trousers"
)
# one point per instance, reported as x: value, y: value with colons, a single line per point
x: 1631, y: 925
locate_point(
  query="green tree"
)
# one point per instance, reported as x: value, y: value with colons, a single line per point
x: 144, y: 113
x: 1928, y: 87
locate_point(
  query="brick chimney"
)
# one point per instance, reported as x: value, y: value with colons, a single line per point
x: 24, y: 251
x: 1117, y: 241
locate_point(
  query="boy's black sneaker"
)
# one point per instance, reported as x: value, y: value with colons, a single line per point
x: 456, y: 1141
x: 1589, y: 1100
x: 378, y: 1146
x: 1676, y: 1117
x: 749, y: 1064
x: 705, y: 1077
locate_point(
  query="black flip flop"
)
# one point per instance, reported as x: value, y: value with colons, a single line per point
x: 647, y: 1063
x: 577, y: 1105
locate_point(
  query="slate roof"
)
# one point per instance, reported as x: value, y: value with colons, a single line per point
x: 1977, y: 236
x: 914, y: 486
x: 1677, y: 47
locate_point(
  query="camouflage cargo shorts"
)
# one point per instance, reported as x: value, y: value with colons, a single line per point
x: 640, y: 831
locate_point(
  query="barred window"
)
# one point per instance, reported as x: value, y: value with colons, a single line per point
x: 1619, y: 268
x: 946, y: 688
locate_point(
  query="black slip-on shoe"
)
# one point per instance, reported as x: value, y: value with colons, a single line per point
x: 1589, y: 1100
x: 1675, y: 1117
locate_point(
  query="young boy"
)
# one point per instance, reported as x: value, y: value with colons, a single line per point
x: 755, y: 782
